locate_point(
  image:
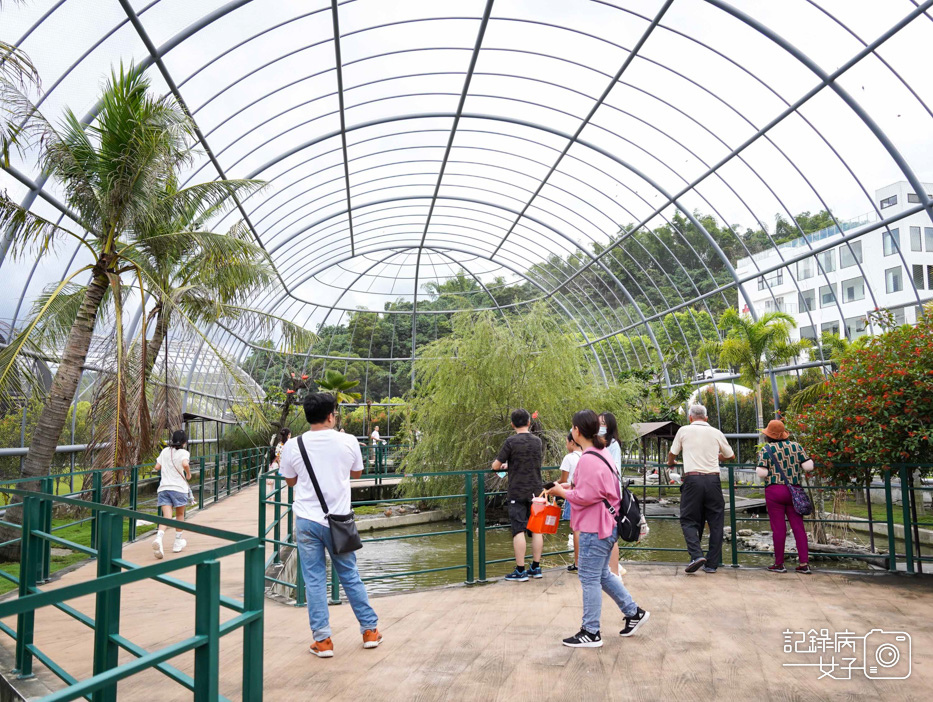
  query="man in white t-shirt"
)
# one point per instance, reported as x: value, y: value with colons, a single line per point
x: 335, y: 458
x: 701, y: 499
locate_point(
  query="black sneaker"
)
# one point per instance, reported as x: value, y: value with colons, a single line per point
x: 584, y: 639
x: 804, y: 569
x: 694, y: 565
x: 632, y: 623
x: 572, y: 568
x: 534, y: 572
x: 518, y: 576
x: 777, y: 568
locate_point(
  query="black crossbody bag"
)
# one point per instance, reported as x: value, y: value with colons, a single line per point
x: 343, y: 530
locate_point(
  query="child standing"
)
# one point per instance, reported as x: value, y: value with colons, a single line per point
x: 173, y: 463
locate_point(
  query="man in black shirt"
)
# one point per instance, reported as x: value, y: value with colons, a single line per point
x: 522, y: 454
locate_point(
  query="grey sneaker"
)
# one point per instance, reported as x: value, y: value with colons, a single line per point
x: 694, y: 565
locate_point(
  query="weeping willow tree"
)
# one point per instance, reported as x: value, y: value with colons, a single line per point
x: 469, y: 382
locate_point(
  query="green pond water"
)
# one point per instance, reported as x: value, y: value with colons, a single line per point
x: 387, y: 557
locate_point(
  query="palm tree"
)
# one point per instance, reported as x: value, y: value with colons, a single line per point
x: 112, y: 173
x: 752, y: 347
x: 337, y: 385
x: 838, y: 349
x: 17, y: 73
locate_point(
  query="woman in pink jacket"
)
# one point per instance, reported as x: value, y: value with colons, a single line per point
x: 595, y: 480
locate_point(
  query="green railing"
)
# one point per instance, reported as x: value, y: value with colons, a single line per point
x: 277, y: 528
x: 105, y: 524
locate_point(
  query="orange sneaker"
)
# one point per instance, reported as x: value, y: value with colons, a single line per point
x: 323, y: 649
x: 371, y: 638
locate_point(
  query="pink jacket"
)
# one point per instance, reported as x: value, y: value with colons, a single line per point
x: 593, y: 481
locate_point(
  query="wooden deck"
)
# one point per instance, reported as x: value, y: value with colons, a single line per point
x: 710, y: 637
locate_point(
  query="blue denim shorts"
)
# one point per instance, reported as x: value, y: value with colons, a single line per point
x: 565, y: 515
x: 172, y: 498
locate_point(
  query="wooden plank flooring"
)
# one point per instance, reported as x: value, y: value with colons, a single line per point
x: 709, y: 637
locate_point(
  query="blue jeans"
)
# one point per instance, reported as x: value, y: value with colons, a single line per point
x: 595, y: 577
x: 313, y: 539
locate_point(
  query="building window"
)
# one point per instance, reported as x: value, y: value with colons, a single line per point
x: 930, y: 277
x: 830, y: 328
x: 771, y: 280
x: 808, y: 333
x: 805, y: 269
x: 855, y: 327
x: 919, y: 281
x: 828, y: 295
x: 853, y: 289
x: 893, y: 280
x: 827, y: 260
x: 928, y: 235
x: 889, y: 202
x: 775, y: 305
x: 850, y: 254
x: 900, y: 316
x: 892, y: 242
x: 914, y: 199
x: 806, y: 300
x: 915, y: 243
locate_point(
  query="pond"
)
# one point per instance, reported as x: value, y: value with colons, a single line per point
x: 440, y: 551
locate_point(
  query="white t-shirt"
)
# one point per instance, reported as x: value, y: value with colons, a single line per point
x: 616, y: 452
x: 375, y: 436
x: 569, y: 464
x: 173, y: 470
x: 701, y: 445
x: 333, y: 456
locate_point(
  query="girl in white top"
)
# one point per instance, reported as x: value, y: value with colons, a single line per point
x: 175, y: 468
x: 567, y: 468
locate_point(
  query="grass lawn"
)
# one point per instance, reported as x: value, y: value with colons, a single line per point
x: 79, y: 534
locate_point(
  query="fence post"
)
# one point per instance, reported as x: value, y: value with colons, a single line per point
x: 892, y: 551
x: 29, y: 557
x: 134, y: 500
x: 262, y: 509
x: 96, y: 491
x: 732, y: 519
x: 301, y: 598
x: 230, y: 472
x: 905, y: 513
x: 334, y: 585
x: 291, y: 516
x: 277, y: 512
x: 481, y: 525
x: 201, y: 487
x: 468, y: 486
x: 107, y: 610
x: 253, y: 600
x: 48, y: 487
x: 216, y: 483
x: 207, y: 623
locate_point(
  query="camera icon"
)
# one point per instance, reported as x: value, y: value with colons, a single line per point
x: 887, y: 655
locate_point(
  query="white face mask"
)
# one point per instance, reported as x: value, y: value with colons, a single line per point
x: 602, y: 431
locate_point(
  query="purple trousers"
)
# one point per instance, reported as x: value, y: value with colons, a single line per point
x: 779, y: 504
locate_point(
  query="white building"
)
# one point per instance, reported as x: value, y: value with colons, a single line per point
x: 835, y: 290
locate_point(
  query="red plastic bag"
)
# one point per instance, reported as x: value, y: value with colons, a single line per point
x: 545, y: 516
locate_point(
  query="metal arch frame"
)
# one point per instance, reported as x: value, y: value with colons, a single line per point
x: 920, y: 192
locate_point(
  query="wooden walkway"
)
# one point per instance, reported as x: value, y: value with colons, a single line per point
x: 710, y: 637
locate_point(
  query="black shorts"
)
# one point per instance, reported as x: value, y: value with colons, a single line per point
x: 519, y: 512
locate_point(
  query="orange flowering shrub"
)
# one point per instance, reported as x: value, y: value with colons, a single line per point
x: 877, y: 409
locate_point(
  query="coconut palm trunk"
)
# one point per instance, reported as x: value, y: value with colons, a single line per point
x: 38, y: 461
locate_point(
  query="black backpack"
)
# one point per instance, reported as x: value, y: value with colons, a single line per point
x: 628, y: 518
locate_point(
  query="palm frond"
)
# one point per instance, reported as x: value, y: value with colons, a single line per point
x: 30, y: 235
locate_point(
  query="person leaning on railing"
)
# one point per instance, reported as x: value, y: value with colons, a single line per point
x: 781, y: 463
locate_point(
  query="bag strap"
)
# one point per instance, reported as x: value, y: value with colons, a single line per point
x: 772, y: 456
x: 310, y: 469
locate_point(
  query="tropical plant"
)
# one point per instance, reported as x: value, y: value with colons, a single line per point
x: 876, y: 408
x: 112, y: 173
x: 751, y: 347
x: 337, y: 385
x: 835, y: 349
x: 17, y: 73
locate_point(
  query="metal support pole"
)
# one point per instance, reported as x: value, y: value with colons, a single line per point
x: 48, y: 487
x: 107, y: 611
x: 892, y: 551
x: 277, y: 519
x: 301, y: 596
x: 481, y: 525
x: 468, y: 489
x: 96, y: 491
x: 334, y: 585
x: 207, y: 623
x: 201, y: 487
x: 732, y: 518
x: 216, y: 482
x: 913, y: 516
x: 134, y: 500
x: 871, y: 521
x: 905, y: 513
x: 229, y: 475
